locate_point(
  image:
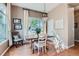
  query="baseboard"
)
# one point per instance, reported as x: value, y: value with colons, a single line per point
x: 67, y: 47
x: 77, y: 40
x: 5, y: 51
x: 70, y: 46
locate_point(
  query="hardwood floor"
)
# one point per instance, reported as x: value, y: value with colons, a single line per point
x: 25, y: 50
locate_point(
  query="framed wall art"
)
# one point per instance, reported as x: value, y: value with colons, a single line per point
x: 16, y: 21
x: 17, y: 26
x: 59, y: 24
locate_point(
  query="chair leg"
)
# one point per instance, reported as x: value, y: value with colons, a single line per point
x: 16, y: 44
x: 41, y: 49
x: 22, y: 42
x: 44, y: 49
x: 38, y: 51
x: 33, y: 51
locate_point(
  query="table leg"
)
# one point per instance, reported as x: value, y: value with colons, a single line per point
x: 31, y: 43
x: 38, y: 51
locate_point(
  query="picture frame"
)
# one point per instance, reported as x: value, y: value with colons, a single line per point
x: 18, y: 26
x: 16, y: 21
x: 59, y: 24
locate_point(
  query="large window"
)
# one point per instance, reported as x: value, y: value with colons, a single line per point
x: 2, y: 22
x: 35, y: 23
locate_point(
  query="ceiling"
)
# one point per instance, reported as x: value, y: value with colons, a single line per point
x: 74, y: 4
x: 37, y: 6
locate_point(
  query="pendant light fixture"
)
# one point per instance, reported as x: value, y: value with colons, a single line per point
x: 45, y: 17
x: 44, y: 14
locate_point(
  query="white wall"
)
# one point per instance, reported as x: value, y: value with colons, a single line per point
x: 58, y: 13
x: 67, y: 33
x: 70, y: 27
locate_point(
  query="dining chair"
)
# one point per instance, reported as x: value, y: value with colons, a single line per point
x: 39, y: 45
x: 16, y: 39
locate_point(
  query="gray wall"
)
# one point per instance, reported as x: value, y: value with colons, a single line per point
x: 18, y: 12
x: 76, y: 14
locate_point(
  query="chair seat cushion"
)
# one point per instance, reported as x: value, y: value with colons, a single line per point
x: 17, y: 40
x: 41, y: 44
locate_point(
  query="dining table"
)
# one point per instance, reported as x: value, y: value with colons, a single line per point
x: 35, y: 38
x: 31, y: 40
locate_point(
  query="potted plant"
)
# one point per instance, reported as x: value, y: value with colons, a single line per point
x: 38, y: 30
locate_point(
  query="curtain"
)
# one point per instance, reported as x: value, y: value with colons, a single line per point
x: 9, y: 23
x: 25, y: 23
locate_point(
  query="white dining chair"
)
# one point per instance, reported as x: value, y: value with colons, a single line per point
x: 39, y: 45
